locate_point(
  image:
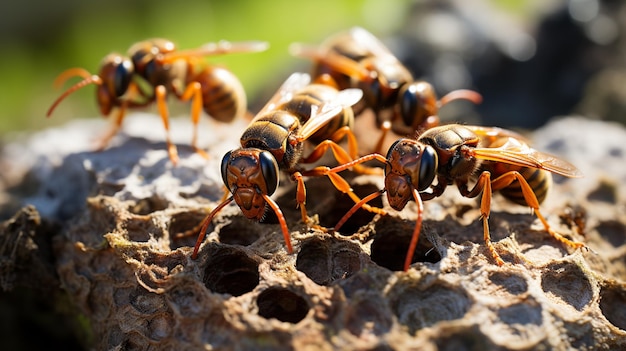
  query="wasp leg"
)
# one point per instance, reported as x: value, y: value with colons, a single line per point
x: 384, y: 130
x: 117, y: 123
x: 483, y: 184
x: 531, y: 199
x: 162, y: 105
x: 340, y: 154
x: 301, y: 195
x: 356, y: 207
x: 340, y: 183
x: 194, y: 92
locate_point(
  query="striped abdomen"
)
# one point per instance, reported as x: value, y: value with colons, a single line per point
x: 223, y: 97
x: 538, y: 179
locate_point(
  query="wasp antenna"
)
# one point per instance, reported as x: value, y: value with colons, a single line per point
x: 83, y: 83
x: 69, y: 73
x: 464, y: 94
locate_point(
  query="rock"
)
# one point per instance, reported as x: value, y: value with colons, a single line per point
x: 116, y: 256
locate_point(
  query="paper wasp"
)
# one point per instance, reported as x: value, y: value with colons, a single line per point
x: 153, y: 69
x: 275, y: 141
x: 356, y: 58
x: 493, y: 159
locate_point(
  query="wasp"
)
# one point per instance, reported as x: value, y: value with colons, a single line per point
x: 275, y: 140
x: 494, y: 159
x: 154, y: 69
x: 356, y: 58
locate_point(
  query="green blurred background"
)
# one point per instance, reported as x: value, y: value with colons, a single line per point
x: 40, y: 39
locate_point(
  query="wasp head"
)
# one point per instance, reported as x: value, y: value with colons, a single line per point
x: 250, y: 175
x: 410, y: 165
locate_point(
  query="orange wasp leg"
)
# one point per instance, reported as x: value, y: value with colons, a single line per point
x: 301, y: 195
x: 385, y: 127
x: 194, y: 92
x: 341, y: 184
x: 162, y: 105
x: 356, y: 207
x: 117, y: 124
x: 205, y: 225
x: 483, y: 184
x: 340, y: 153
x: 529, y: 195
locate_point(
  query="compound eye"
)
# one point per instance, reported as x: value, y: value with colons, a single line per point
x: 224, y: 169
x: 269, y: 168
x: 409, y: 104
x: 428, y: 167
x: 122, y: 77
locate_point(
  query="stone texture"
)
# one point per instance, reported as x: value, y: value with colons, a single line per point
x: 114, y: 253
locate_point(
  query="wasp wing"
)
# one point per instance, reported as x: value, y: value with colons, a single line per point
x: 336, y: 61
x: 212, y: 49
x: 285, y: 93
x: 490, y: 134
x: 516, y: 152
x: 371, y: 43
x: 321, y: 115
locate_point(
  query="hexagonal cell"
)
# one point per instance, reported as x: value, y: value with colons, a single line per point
x: 368, y: 313
x: 325, y: 260
x: 148, y: 205
x: 140, y: 229
x: 343, y: 203
x: 613, y: 231
x: 184, y: 227
x: 230, y: 270
x: 282, y: 304
x: 313, y: 260
x: 240, y: 231
x: 419, y: 308
x: 612, y: 295
x: 160, y: 326
x: 458, y: 338
x: 567, y: 282
x: 605, y: 192
x: 390, y: 245
x: 521, y: 326
x: 512, y: 283
x: 146, y: 302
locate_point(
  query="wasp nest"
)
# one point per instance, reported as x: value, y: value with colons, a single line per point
x: 117, y: 257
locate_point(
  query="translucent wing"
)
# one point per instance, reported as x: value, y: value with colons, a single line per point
x: 516, y: 152
x: 491, y: 134
x: 372, y: 44
x: 292, y: 84
x: 321, y: 115
x: 219, y: 48
x: 338, y: 62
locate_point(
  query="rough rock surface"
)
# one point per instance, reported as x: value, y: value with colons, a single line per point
x: 115, y: 255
